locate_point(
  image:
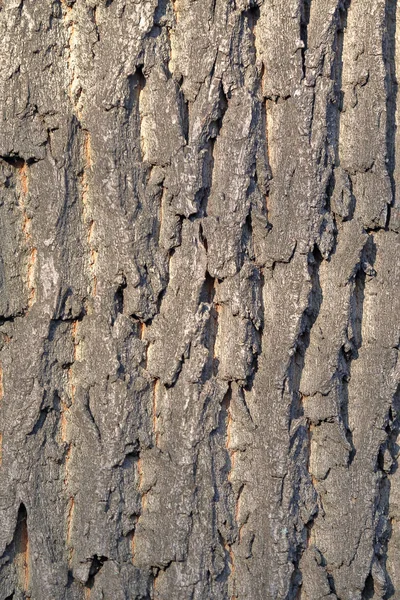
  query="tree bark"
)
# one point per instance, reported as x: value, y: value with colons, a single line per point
x: 199, y: 300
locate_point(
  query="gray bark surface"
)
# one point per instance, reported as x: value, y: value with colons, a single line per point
x: 199, y: 300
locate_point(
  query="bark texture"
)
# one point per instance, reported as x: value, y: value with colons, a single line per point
x: 199, y: 300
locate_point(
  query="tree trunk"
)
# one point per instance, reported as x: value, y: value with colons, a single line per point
x: 199, y: 300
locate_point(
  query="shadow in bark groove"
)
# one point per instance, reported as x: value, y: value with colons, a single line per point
x: 221, y: 465
x: 334, y: 108
x: 393, y: 431
x: 302, y: 436
x: 135, y: 85
x: 209, y: 138
x: 391, y: 85
x: 369, y: 589
x: 251, y: 15
x: 309, y: 318
x: 304, y: 22
x: 97, y: 563
x: 207, y: 295
x: 348, y: 355
x: 257, y: 333
x: 18, y: 552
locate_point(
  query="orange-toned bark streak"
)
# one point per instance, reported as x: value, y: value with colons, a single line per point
x: 23, y: 172
x: 71, y: 508
x: 88, y: 221
x: 175, y: 8
x: 142, y: 330
x: 22, y: 554
x: 87, y: 150
x: 70, y: 516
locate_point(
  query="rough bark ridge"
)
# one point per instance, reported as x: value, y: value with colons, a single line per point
x: 199, y: 300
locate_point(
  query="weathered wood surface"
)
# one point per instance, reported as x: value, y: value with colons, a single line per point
x: 199, y: 300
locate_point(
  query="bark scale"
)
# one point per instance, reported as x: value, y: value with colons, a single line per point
x: 199, y: 300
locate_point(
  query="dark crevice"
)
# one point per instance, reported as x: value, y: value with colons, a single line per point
x: 136, y: 84
x: 257, y: 330
x: 221, y: 468
x: 91, y: 416
x: 344, y: 407
x: 300, y: 441
x: 212, y: 134
x: 118, y: 307
x: 183, y: 106
x: 391, y: 85
x: 11, y: 318
x: 295, y: 583
x: 349, y: 351
x: 329, y: 250
x: 203, y: 194
x: 369, y: 588
x: 21, y: 530
x: 97, y: 563
x: 223, y: 107
x: 251, y: 17
x: 202, y: 237
x: 94, y: 18
x: 67, y: 308
x: 382, y: 534
x: 18, y: 552
x: 331, y: 583
x: 247, y: 234
x: 335, y: 107
x: 40, y: 421
x: 209, y: 136
x: 357, y: 309
x: 14, y: 161
x: 304, y: 22
x: 257, y: 335
x: 216, y: 125
x: 223, y: 576
x: 309, y: 318
x: 207, y: 292
x: 207, y: 295
x: 161, y: 12
x: 155, y: 33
